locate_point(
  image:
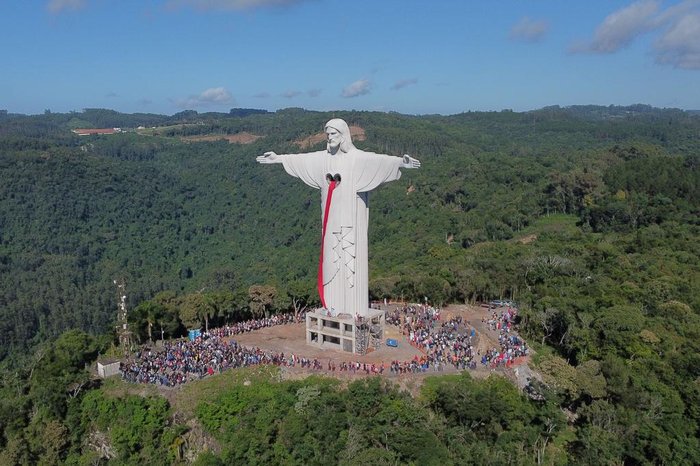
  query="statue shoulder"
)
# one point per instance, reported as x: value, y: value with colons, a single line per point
x: 361, y: 154
x: 364, y: 154
x: 309, y: 154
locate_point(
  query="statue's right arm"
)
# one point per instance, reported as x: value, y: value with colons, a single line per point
x: 409, y: 162
x: 269, y: 157
x: 305, y: 166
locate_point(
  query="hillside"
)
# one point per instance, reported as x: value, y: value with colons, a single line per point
x: 587, y: 216
x: 78, y: 213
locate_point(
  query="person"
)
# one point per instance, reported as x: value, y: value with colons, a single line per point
x: 345, y: 175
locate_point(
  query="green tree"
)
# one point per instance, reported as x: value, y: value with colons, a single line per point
x: 64, y: 372
x: 262, y: 299
x: 302, y: 294
x: 149, y: 313
x: 193, y: 310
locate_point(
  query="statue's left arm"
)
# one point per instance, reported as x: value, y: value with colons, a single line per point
x: 373, y: 170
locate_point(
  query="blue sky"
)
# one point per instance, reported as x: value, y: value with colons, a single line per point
x: 408, y: 56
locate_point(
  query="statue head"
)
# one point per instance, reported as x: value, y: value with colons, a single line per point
x: 338, y: 134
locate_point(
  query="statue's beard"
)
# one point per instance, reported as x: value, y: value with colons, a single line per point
x: 332, y: 148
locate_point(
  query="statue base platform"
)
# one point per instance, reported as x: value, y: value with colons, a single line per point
x: 344, y: 332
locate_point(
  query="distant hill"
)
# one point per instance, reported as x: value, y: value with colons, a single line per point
x: 179, y: 208
x: 598, y: 112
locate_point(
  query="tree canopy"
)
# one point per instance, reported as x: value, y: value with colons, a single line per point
x: 587, y: 216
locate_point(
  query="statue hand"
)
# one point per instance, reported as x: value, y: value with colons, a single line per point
x: 410, y: 162
x: 268, y: 157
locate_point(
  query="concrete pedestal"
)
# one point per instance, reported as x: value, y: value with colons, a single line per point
x: 344, y: 332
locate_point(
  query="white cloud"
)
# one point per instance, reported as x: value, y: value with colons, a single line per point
x: 400, y: 84
x: 529, y: 30
x: 357, y: 88
x: 679, y: 45
x: 291, y: 94
x: 211, y: 96
x: 232, y: 4
x: 314, y: 92
x: 57, y: 6
x: 677, y: 28
x: 620, y: 28
x: 215, y: 95
x: 674, y: 12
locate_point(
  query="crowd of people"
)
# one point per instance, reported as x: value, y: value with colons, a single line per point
x: 511, y: 346
x: 414, y: 316
x: 255, y: 324
x: 356, y: 367
x: 444, y: 345
x: 182, y: 361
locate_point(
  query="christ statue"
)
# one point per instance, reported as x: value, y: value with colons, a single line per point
x: 345, y: 175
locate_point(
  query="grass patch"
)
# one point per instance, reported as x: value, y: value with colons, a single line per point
x: 188, y: 396
x: 115, y: 387
x: 184, y: 399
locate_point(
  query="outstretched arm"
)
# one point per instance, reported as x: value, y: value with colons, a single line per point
x: 306, y: 167
x: 410, y: 162
x: 372, y: 170
x: 269, y: 157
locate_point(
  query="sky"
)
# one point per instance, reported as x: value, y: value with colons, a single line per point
x: 407, y: 56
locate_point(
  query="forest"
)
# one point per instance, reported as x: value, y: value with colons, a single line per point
x: 587, y: 216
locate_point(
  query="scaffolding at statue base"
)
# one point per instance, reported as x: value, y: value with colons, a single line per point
x: 344, y: 332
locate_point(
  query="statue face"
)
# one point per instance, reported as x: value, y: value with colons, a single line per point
x: 334, y: 138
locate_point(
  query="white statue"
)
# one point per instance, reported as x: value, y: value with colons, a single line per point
x: 345, y: 175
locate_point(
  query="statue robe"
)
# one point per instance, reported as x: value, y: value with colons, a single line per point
x: 345, y: 250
